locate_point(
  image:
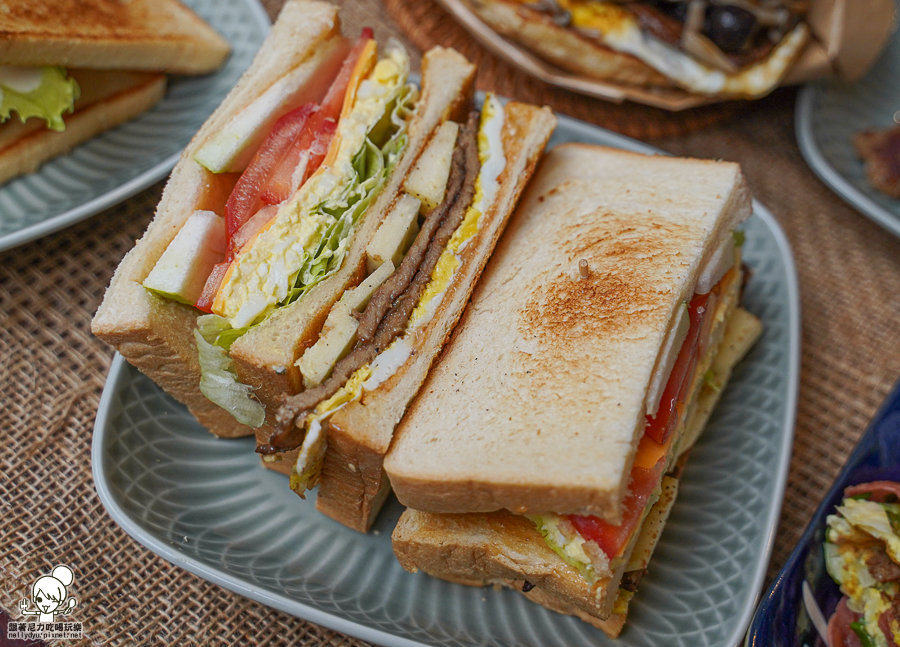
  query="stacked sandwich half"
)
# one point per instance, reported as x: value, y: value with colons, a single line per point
x: 315, y: 246
x: 544, y: 449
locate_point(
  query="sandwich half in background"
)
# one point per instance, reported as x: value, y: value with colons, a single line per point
x: 308, y: 217
x: 725, y: 48
x: 69, y: 71
x: 585, y: 367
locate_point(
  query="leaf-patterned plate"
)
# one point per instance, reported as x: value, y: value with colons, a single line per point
x: 120, y: 162
x: 208, y: 506
x: 829, y: 113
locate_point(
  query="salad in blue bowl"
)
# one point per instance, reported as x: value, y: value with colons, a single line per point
x: 841, y: 585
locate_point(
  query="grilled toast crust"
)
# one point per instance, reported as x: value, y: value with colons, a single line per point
x: 153, y: 35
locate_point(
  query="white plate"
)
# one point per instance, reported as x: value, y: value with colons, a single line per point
x: 208, y: 506
x: 830, y: 113
x: 118, y: 163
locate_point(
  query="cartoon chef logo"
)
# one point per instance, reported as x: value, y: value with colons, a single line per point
x: 49, y: 595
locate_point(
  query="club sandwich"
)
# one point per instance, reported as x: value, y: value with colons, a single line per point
x: 71, y: 70
x: 544, y: 448
x: 331, y: 219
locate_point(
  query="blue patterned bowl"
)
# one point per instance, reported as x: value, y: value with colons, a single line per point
x: 781, y: 619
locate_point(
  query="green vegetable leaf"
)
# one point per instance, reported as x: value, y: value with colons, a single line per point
x: 218, y: 379
x: 54, y: 96
x: 710, y: 380
x: 865, y: 496
x: 372, y: 165
x: 739, y: 237
x: 863, y: 635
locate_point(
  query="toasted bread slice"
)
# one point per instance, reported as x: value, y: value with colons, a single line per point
x: 507, y: 549
x: 107, y: 100
x: 153, y: 35
x: 353, y: 484
x: 584, y: 347
x: 156, y: 334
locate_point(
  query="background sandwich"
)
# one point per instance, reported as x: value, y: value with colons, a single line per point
x: 585, y: 367
x: 69, y: 71
x: 726, y: 48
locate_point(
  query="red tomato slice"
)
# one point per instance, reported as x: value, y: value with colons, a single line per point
x: 671, y: 405
x: 612, y: 539
x: 208, y: 295
x: 244, y: 200
x: 312, y: 143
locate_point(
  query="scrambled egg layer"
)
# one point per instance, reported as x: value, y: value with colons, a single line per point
x: 849, y: 544
x: 493, y: 161
x: 262, y: 275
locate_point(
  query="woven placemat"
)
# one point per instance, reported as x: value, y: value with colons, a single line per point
x: 427, y: 24
x: 52, y: 371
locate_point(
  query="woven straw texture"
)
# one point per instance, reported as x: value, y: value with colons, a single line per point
x: 52, y: 372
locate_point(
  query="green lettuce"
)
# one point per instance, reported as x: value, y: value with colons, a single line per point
x: 218, y: 380
x: 54, y: 96
x: 549, y: 529
x: 372, y: 165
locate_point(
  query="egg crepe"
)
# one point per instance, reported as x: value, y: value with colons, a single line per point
x: 609, y: 40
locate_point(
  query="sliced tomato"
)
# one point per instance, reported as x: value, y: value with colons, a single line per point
x: 610, y: 538
x: 672, y: 403
x: 311, y: 145
x: 244, y: 200
x: 211, y: 286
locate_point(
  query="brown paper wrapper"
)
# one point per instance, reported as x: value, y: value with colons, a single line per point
x: 847, y: 37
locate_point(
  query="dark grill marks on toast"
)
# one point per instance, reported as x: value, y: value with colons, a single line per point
x: 389, y: 309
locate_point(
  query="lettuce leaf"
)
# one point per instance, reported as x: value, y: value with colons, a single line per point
x: 54, y: 96
x: 218, y: 379
x: 372, y: 165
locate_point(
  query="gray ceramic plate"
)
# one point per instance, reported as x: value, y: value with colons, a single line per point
x: 830, y: 113
x: 117, y: 164
x: 206, y: 505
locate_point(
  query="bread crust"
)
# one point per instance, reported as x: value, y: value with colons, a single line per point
x: 155, y: 35
x: 156, y: 334
x: 107, y: 100
x: 353, y: 484
x: 548, y: 335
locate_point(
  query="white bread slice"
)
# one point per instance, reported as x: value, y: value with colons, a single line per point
x: 584, y: 348
x: 107, y: 100
x: 502, y: 548
x: 265, y: 356
x: 153, y: 35
x: 353, y: 484
x: 156, y: 334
